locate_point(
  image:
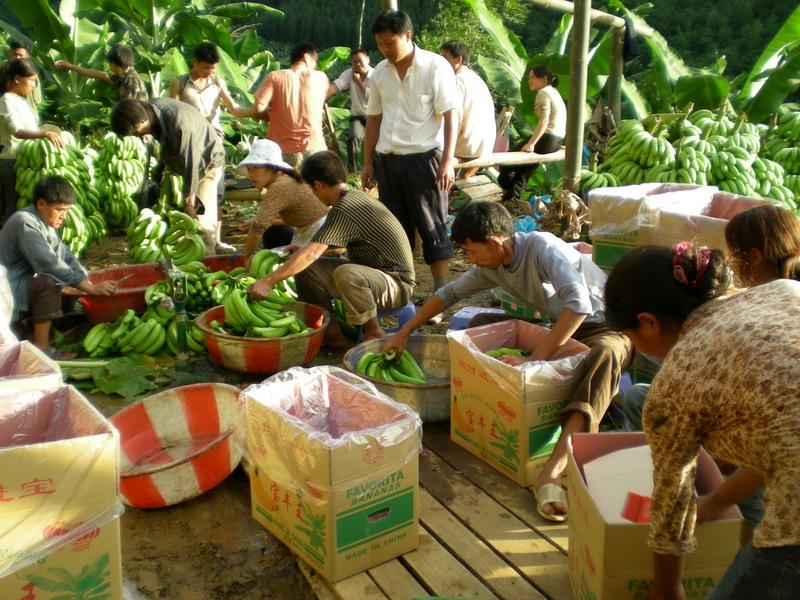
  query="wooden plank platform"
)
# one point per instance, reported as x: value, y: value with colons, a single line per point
x: 480, y: 537
x: 478, y: 188
x: 511, y: 158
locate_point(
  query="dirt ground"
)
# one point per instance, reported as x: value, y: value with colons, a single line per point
x: 210, y: 548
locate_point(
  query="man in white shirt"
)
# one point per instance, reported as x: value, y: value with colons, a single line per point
x: 410, y: 140
x: 476, y: 129
x: 356, y: 81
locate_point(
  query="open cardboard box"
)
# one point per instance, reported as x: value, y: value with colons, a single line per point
x: 24, y: 367
x: 613, y: 561
x: 509, y: 416
x: 59, y: 460
x: 335, y: 469
x: 87, y: 564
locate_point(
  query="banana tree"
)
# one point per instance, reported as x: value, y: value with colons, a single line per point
x: 155, y: 28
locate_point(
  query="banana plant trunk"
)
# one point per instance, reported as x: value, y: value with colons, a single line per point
x: 579, y: 60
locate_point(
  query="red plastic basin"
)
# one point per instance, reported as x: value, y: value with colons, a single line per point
x: 102, y: 309
x: 264, y: 355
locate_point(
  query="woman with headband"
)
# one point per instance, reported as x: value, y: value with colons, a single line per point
x: 728, y: 383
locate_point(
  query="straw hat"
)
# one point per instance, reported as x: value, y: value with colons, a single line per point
x: 265, y: 153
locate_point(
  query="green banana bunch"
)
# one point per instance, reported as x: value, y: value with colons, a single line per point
x: 74, y: 231
x: 181, y: 241
x: 146, y: 337
x: 148, y: 229
x: 789, y: 159
x: 264, y: 262
x: 350, y: 331
x: 171, y: 193
x: 119, y: 171
x: 195, y: 339
x: 634, y: 150
x: 732, y: 174
x: 385, y: 366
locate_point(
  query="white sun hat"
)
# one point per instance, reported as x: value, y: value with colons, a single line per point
x: 265, y: 153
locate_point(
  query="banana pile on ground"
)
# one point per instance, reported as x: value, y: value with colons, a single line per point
x: 266, y: 261
x: 39, y: 158
x: 119, y: 173
x: 386, y: 367
x: 715, y: 148
x: 259, y: 318
x: 128, y: 334
x: 145, y: 236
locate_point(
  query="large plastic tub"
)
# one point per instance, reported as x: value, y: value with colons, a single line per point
x: 102, y: 309
x: 265, y: 355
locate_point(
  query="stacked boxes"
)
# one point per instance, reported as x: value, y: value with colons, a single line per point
x: 612, y: 561
x: 508, y: 416
x: 59, y: 484
x: 334, y: 469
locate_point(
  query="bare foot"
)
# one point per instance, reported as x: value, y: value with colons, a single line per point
x: 551, y: 508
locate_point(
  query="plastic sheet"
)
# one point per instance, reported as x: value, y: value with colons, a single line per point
x: 624, y: 210
x: 59, y: 462
x: 24, y: 367
x: 7, y: 337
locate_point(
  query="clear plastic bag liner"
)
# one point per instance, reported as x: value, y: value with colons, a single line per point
x: 23, y: 366
x: 7, y: 337
x: 622, y: 210
x: 317, y: 422
x: 561, y: 367
x: 59, y: 460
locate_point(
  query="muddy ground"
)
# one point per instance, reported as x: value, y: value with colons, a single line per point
x: 209, y: 548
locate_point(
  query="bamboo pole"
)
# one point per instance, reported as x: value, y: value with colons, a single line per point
x: 389, y: 4
x: 598, y: 17
x: 614, y: 85
x: 579, y: 59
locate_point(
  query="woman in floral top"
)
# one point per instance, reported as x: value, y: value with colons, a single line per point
x: 728, y: 383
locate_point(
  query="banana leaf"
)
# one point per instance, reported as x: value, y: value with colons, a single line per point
x: 509, y: 46
x: 704, y: 90
x: 788, y: 34
x: 501, y: 79
x: 327, y: 58
x: 778, y: 84
x: 245, y: 10
x: 663, y: 56
x: 561, y: 37
x: 44, y: 27
x: 634, y: 105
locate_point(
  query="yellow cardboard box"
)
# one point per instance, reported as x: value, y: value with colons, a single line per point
x: 86, y: 565
x: 59, y: 464
x: 335, y: 469
x: 508, y: 416
x: 613, y: 561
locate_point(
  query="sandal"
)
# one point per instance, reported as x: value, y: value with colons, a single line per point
x: 547, y: 494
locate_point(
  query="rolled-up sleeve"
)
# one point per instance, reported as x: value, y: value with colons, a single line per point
x: 44, y: 260
x: 674, y: 443
x: 471, y: 282
x: 567, y: 281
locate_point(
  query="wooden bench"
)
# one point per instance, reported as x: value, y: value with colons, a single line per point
x: 511, y: 159
x: 480, y: 537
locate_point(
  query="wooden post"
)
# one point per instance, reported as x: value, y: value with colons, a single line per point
x: 579, y: 59
x: 389, y: 4
x: 614, y: 85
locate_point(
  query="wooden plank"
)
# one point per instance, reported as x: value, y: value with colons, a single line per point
x: 518, y: 500
x: 511, y: 158
x: 461, y: 184
x: 483, y: 192
x: 243, y: 195
x: 396, y: 582
x: 356, y: 587
x: 442, y: 572
x: 497, y: 574
x: 531, y: 554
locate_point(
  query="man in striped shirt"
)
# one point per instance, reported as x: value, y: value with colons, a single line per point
x: 380, y: 271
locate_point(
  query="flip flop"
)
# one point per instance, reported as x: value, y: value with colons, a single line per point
x: 548, y: 493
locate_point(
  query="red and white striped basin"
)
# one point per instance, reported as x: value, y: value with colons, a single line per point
x: 179, y: 443
x: 265, y: 355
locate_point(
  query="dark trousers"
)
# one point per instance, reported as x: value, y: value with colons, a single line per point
x: 277, y: 236
x: 407, y: 186
x: 514, y: 178
x: 8, y: 191
x: 45, y: 300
